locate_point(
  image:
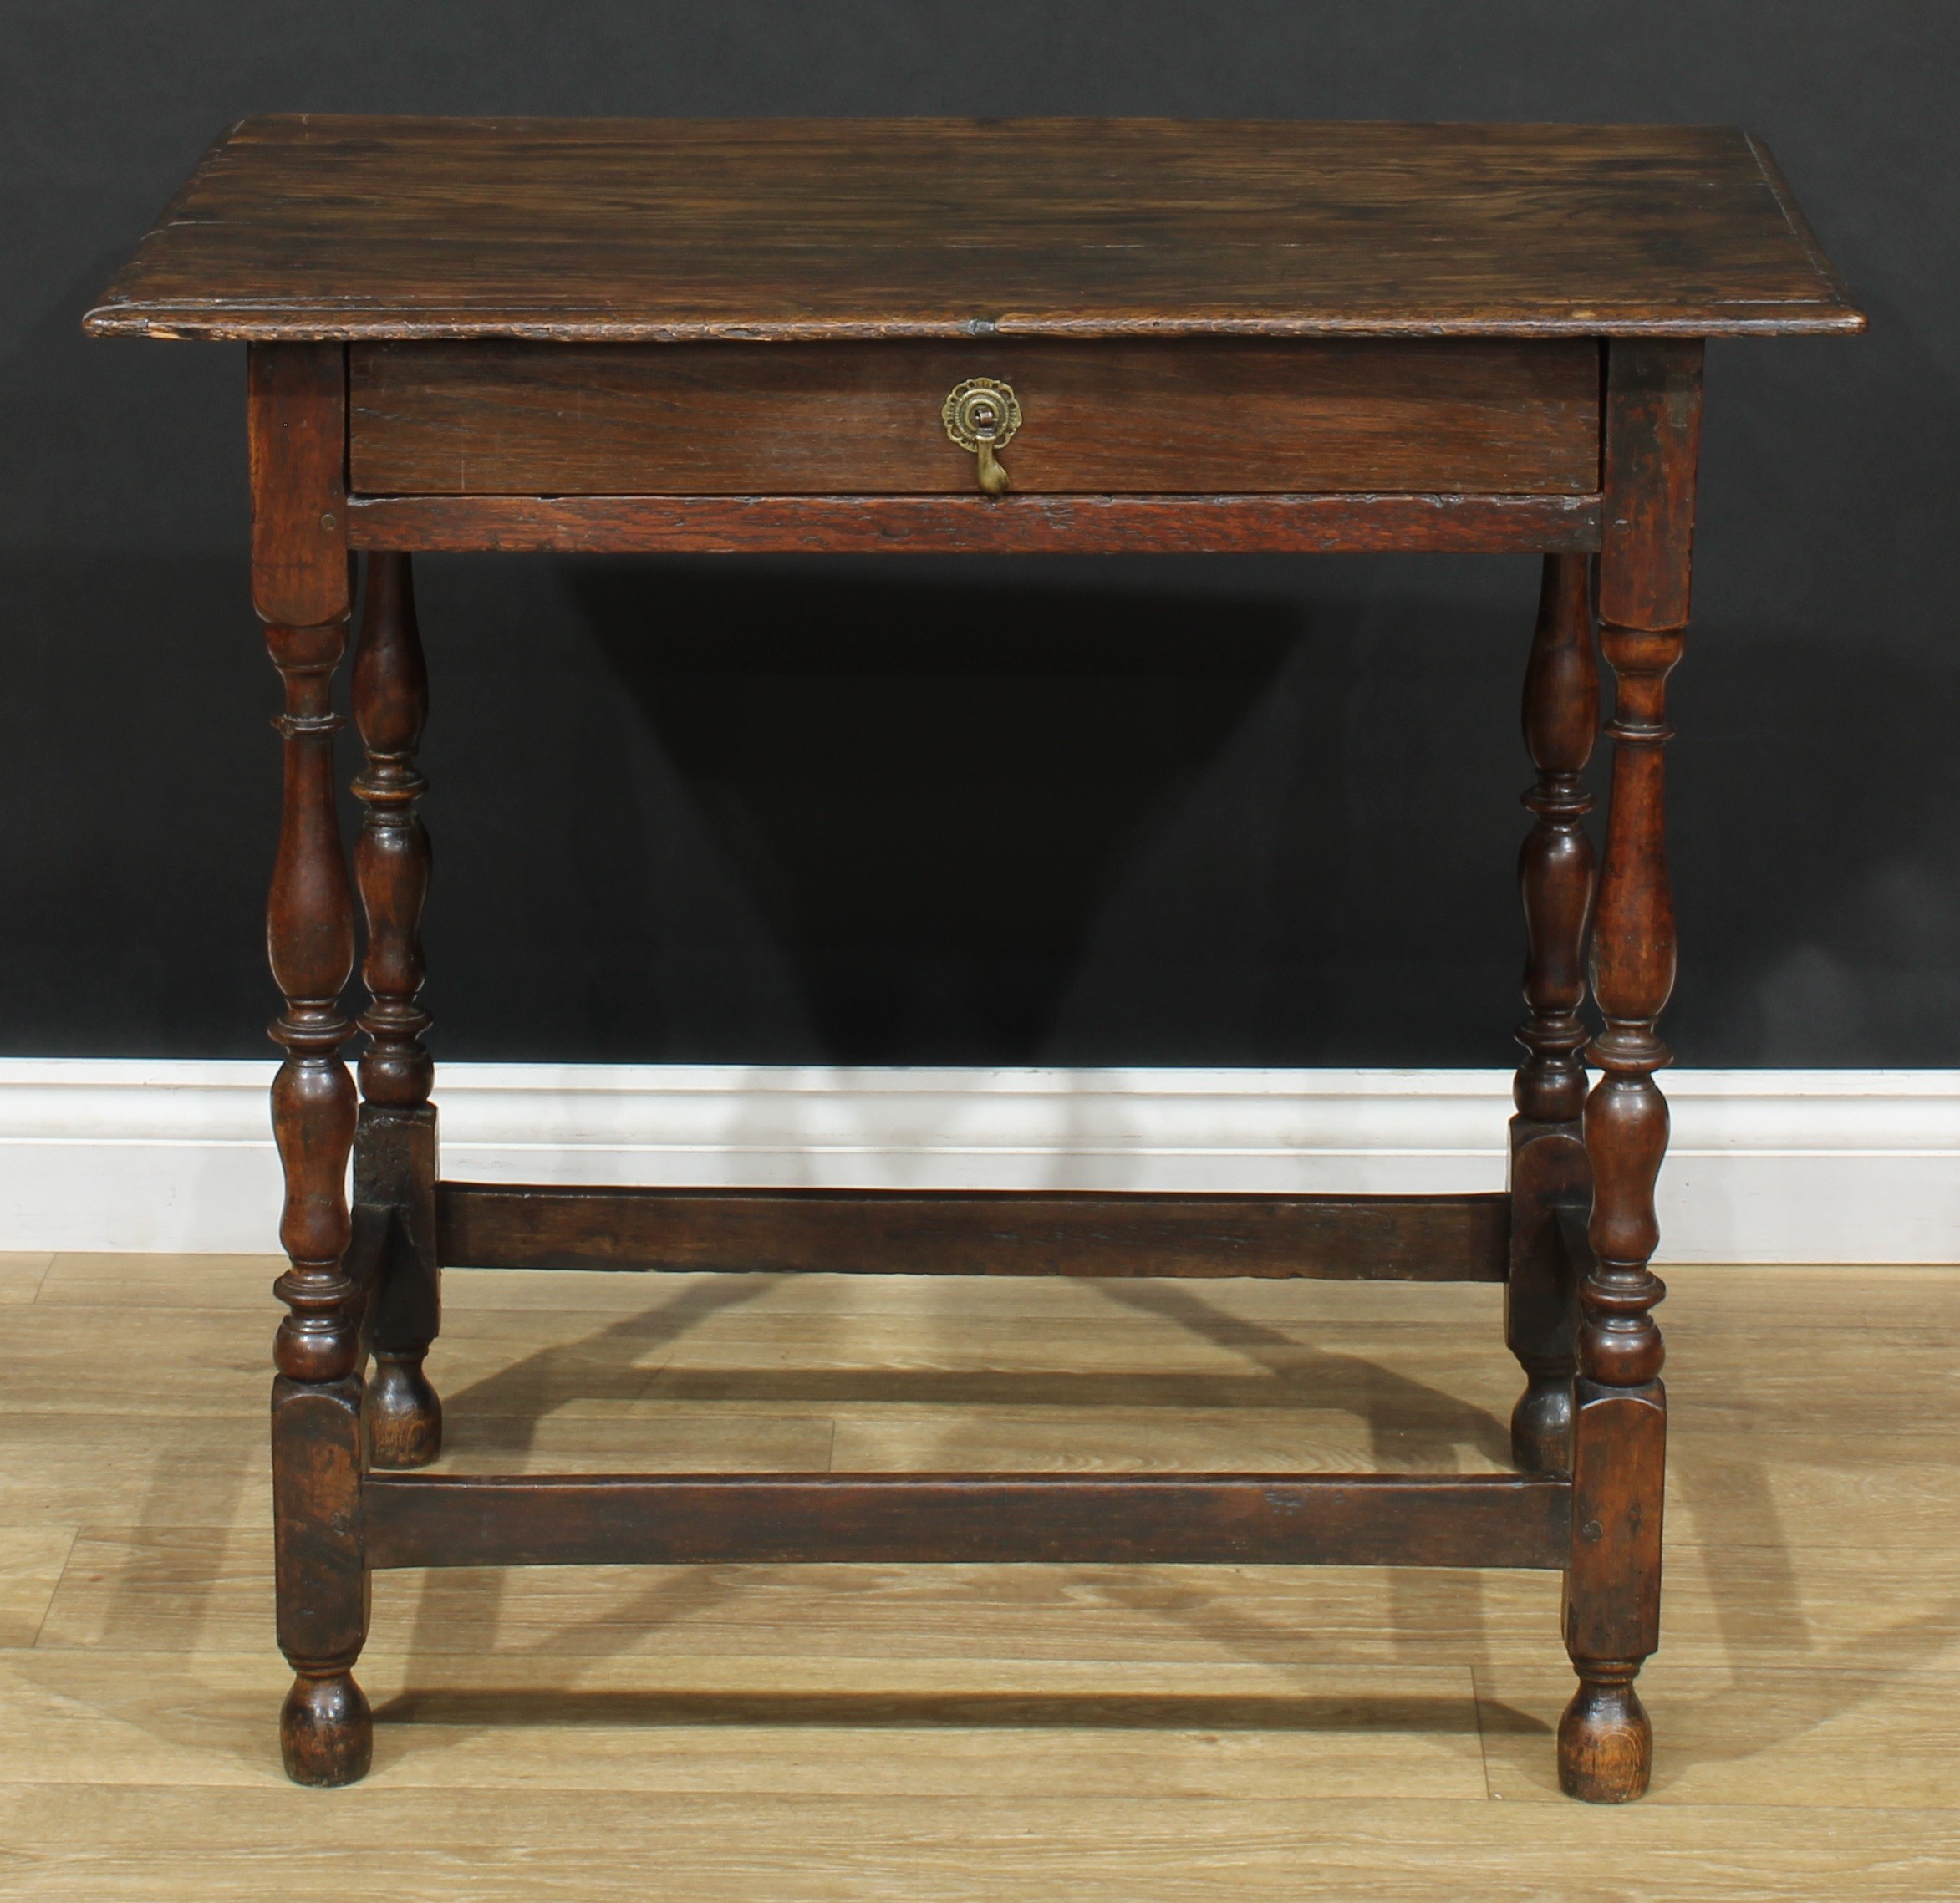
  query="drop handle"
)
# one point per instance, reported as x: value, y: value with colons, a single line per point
x: 982, y: 416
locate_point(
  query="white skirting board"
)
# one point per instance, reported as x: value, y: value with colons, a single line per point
x: 1765, y: 1166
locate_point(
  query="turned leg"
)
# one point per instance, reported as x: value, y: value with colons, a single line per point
x: 297, y: 412
x: 395, y: 1166
x: 1548, y: 1168
x: 1613, y: 1579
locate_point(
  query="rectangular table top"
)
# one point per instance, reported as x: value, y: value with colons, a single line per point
x: 309, y: 227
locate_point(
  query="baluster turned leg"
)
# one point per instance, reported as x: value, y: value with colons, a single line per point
x: 298, y: 417
x: 394, y: 1151
x: 1613, y: 1579
x: 1548, y: 1168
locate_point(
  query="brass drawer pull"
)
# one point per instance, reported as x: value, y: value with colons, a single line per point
x: 981, y: 415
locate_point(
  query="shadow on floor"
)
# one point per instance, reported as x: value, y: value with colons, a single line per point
x: 501, y: 1411
x: 1751, y: 1577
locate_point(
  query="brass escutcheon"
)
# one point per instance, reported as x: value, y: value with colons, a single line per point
x: 981, y: 415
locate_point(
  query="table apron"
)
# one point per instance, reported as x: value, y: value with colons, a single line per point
x: 1173, y: 417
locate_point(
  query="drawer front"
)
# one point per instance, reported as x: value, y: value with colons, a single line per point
x: 1193, y: 417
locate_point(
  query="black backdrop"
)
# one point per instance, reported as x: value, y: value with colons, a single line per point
x: 1097, y: 811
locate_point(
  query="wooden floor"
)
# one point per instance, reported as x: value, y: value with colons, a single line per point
x: 774, y: 1734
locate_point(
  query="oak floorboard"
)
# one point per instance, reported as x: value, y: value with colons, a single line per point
x: 873, y: 1732
x: 21, y: 1276
x: 954, y: 1301
x: 32, y: 1559
x: 504, y: 1846
x: 1729, y: 1611
x: 170, y: 1471
x: 846, y: 1727
x: 698, y: 1442
x: 1271, y: 1439
x: 1859, y: 1494
x: 1813, y: 1300
x: 179, y: 1283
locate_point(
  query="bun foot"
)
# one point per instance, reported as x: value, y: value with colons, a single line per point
x: 404, y: 1416
x: 326, y: 1731
x: 1541, y: 1426
x: 1605, y: 1744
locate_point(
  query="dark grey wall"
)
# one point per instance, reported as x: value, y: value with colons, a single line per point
x: 1255, y: 811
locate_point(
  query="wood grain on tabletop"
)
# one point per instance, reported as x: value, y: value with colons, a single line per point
x: 316, y: 225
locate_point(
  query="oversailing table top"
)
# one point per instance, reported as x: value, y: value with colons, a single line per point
x: 319, y: 228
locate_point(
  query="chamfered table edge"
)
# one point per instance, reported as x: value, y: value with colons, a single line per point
x: 208, y: 323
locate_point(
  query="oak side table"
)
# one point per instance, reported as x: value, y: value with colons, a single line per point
x: 973, y: 336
